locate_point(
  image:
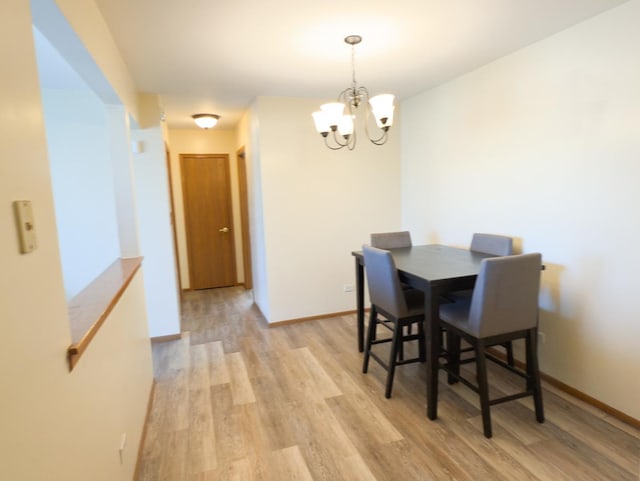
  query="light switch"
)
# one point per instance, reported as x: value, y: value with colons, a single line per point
x: 26, y: 226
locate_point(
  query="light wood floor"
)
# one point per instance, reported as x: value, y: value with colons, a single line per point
x: 236, y: 400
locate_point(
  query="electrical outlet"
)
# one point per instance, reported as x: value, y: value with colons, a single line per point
x: 542, y: 337
x: 347, y: 288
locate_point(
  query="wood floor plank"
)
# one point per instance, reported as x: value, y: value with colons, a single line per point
x: 218, y: 372
x: 240, y: 384
x: 236, y: 400
x: 355, y: 468
x: 576, y: 461
x: 227, y: 425
x: 322, y: 383
x: 198, y: 367
x: 202, y: 440
x: 289, y: 465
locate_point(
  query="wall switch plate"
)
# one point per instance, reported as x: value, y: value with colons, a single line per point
x: 347, y: 288
x: 26, y: 226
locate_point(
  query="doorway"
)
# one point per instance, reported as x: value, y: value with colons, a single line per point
x: 206, y: 191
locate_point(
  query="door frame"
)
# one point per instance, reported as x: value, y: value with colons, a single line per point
x: 172, y: 219
x: 244, y: 217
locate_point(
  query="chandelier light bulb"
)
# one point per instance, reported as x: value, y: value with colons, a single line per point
x: 322, y: 122
x: 382, y: 108
x: 345, y: 126
x: 334, y: 112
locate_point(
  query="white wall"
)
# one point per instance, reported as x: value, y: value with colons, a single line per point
x: 156, y: 235
x: 543, y: 145
x: 199, y: 141
x: 248, y: 134
x: 318, y: 205
x: 55, y: 424
x: 82, y: 177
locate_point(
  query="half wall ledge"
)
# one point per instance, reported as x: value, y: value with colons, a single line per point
x: 90, y: 307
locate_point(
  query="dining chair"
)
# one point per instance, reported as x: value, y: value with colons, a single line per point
x: 497, y: 245
x: 503, y: 307
x: 391, y: 240
x: 401, y: 308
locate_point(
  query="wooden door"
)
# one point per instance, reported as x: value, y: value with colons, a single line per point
x: 206, y: 190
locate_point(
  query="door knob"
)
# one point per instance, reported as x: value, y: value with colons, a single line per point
x: 224, y: 229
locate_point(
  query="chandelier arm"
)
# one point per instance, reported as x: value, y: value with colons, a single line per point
x: 337, y: 140
x: 333, y: 148
x: 353, y: 140
x: 343, y: 96
x: 380, y: 140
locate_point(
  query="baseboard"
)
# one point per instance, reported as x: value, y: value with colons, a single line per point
x: 613, y: 412
x: 170, y: 337
x: 310, y: 318
x: 144, y: 429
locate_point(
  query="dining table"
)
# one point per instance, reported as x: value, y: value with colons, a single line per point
x: 436, y: 270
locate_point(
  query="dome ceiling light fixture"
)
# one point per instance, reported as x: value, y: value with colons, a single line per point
x: 205, y: 121
x: 331, y: 117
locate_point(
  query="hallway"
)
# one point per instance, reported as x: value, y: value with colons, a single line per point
x: 237, y: 400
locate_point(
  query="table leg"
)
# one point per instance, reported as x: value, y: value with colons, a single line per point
x: 432, y: 313
x: 360, y: 303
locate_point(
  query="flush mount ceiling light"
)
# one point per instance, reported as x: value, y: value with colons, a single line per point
x: 205, y: 121
x: 332, y: 119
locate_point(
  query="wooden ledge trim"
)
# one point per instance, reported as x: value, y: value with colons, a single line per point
x: 90, y: 307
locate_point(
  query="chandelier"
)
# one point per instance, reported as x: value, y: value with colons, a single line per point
x: 332, y: 119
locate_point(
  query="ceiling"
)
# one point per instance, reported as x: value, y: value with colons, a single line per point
x: 216, y: 56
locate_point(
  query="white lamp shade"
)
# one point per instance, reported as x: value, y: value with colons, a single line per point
x: 382, y: 108
x: 333, y: 111
x: 389, y: 121
x: 321, y: 121
x: 345, y: 126
x: 205, y: 121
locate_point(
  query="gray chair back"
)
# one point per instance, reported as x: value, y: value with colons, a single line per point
x: 385, y: 291
x: 497, y: 245
x: 505, y: 298
x: 391, y: 240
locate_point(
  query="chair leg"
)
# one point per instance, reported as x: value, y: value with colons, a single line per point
x: 396, y: 343
x: 373, y: 314
x: 453, y: 357
x: 483, y: 386
x: 401, y: 342
x: 533, y: 372
x: 422, y: 348
x: 371, y: 335
x: 509, y: 348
